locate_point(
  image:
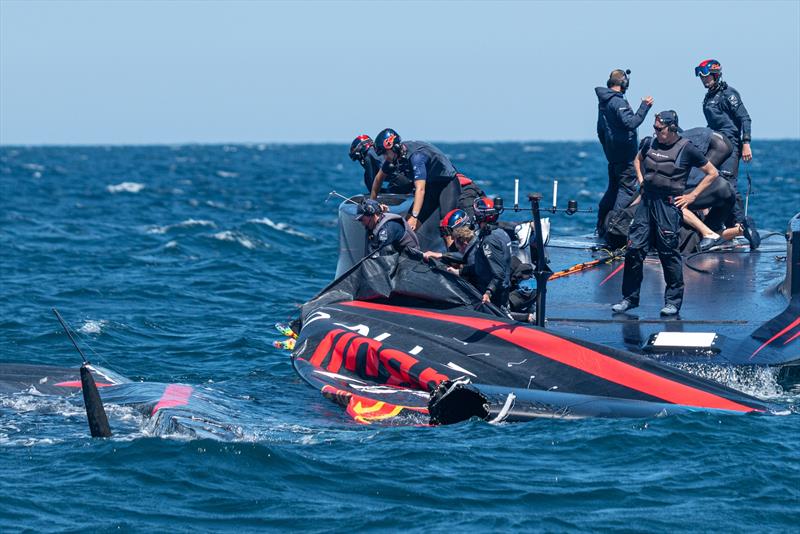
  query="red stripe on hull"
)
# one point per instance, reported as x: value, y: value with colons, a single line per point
x: 174, y: 395
x: 577, y: 356
x: 776, y: 336
x: 77, y: 384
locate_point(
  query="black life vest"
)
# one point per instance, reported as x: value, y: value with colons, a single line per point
x: 662, y: 175
x: 409, y: 238
x: 439, y: 167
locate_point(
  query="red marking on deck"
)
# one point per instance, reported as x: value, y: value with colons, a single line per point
x: 615, y: 271
x: 776, y: 336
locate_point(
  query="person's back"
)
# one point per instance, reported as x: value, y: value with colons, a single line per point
x: 616, y: 130
x: 619, y: 141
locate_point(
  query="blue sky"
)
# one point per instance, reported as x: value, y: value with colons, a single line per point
x: 181, y: 72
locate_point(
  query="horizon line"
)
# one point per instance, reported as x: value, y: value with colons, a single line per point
x: 248, y: 143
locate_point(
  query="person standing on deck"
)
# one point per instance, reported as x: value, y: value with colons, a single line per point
x: 616, y: 130
x: 662, y: 168
x: 725, y: 113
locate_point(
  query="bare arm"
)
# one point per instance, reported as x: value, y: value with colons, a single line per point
x: 376, y: 184
x: 419, y: 196
x: 711, y: 175
x: 637, y: 166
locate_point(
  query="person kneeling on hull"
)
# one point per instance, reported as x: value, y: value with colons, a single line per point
x: 387, y: 231
x: 662, y: 168
x: 487, y: 255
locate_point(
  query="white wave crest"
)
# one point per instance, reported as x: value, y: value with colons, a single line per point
x: 125, y: 187
x: 236, y: 238
x: 227, y: 174
x: 93, y: 327
x: 188, y: 223
x: 280, y: 226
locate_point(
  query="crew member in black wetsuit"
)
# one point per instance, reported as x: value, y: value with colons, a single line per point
x: 662, y: 167
x: 616, y: 129
x: 388, y: 232
x: 487, y: 257
x: 362, y: 150
x: 719, y: 197
x: 436, y: 186
x: 725, y: 113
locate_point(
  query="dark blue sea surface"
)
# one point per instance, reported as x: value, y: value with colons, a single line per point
x: 173, y: 263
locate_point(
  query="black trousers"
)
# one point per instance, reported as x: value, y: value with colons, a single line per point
x: 657, y: 223
x: 440, y: 197
x: 729, y: 169
x: 621, y: 188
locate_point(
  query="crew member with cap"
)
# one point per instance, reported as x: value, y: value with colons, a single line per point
x: 616, y: 130
x: 662, y: 168
x: 725, y: 113
x: 487, y: 256
x: 436, y: 185
x: 387, y: 232
x: 362, y: 150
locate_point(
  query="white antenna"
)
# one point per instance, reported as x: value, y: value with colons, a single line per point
x: 555, y: 193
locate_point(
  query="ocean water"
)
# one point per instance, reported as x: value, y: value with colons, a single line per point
x: 174, y: 262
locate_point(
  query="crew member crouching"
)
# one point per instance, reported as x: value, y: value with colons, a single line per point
x: 487, y: 256
x: 387, y: 232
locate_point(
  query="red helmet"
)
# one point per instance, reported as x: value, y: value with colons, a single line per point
x: 454, y: 219
x: 709, y: 67
x: 485, y: 210
x: 360, y: 146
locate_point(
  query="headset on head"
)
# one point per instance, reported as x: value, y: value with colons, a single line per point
x: 623, y: 83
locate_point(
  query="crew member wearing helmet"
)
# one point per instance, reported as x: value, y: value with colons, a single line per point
x: 454, y: 220
x: 616, y: 130
x: 387, y: 232
x: 662, y: 168
x: 436, y: 186
x: 725, y: 113
x: 362, y: 150
x: 487, y: 257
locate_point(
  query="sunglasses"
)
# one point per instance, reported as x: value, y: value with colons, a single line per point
x: 662, y: 128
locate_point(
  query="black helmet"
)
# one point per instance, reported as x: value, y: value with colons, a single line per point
x: 368, y: 208
x: 485, y: 210
x: 360, y: 146
x: 388, y: 139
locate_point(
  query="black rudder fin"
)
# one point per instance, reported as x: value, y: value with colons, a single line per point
x: 95, y: 413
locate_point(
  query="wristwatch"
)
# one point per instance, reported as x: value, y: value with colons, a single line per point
x: 414, y: 214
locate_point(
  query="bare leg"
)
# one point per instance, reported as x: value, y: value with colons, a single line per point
x: 694, y: 221
x: 734, y: 231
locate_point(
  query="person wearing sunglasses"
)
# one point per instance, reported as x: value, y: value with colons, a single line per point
x: 662, y: 168
x: 616, y: 130
x: 725, y: 113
